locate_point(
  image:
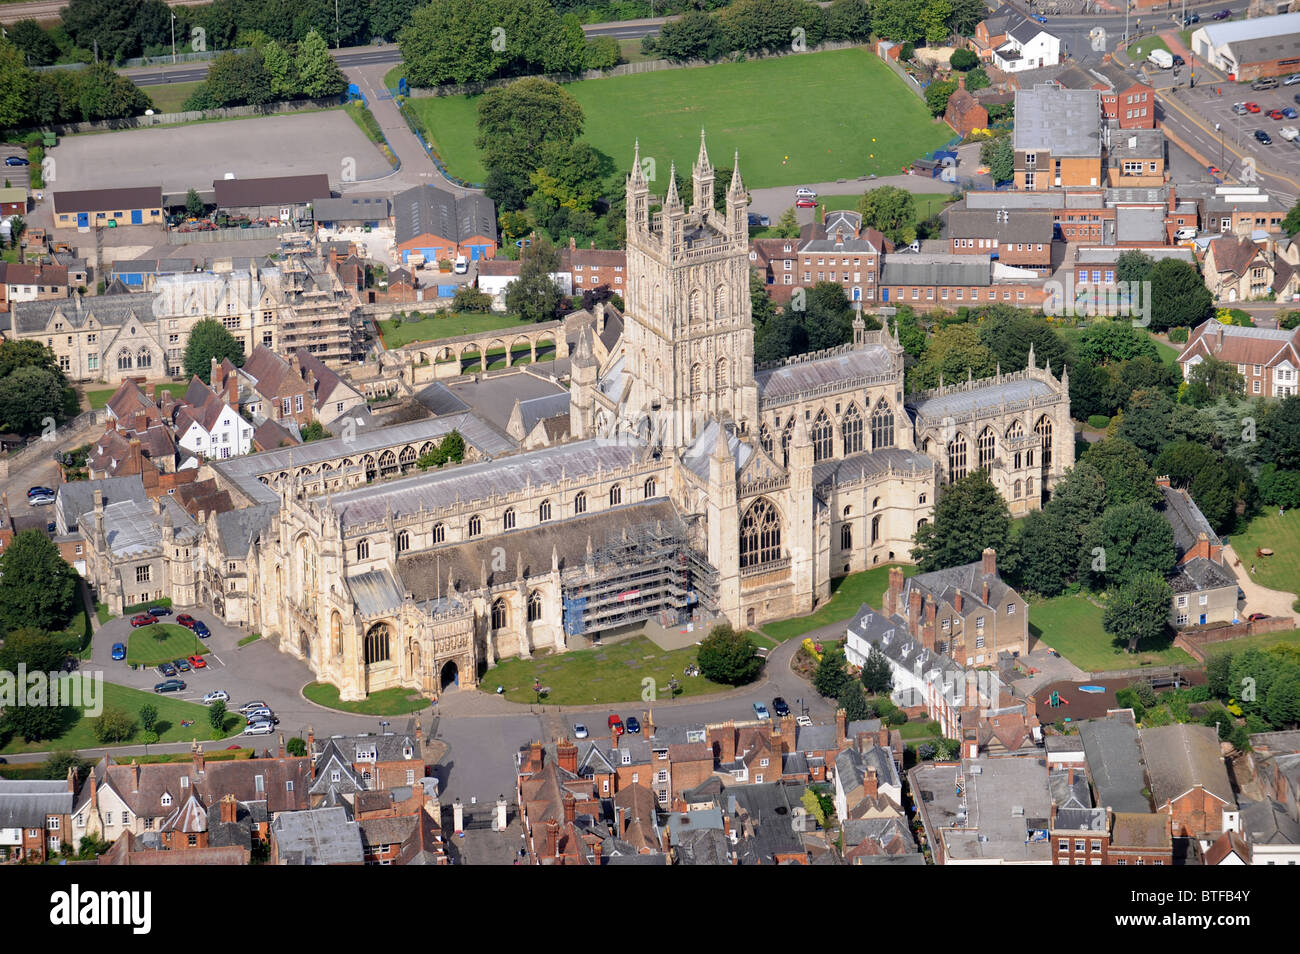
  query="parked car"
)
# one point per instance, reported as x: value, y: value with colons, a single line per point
x: 1191, y: 18
x: 39, y: 492
x: 1263, y: 137
x: 1289, y: 133
x: 1274, y: 114
x: 1291, y: 80
x: 201, y: 630
x: 216, y: 695
x: 758, y: 221
x: 779, y: 707
x: 263, y: 713
x: 41, y: 500
x: 1222, y: 15
x: 580, y: 731
x: 1040, y: 18
x: 185, y: 619
x: 1185, y: 234
x: 617, y: 725
x: 263, y: 719
x: 1240, y: 109
x: 1179, y: 61
x: 803, y: 192
x: 1265, y: 82
x: 806, y: 203
x: 16, y: 161
x: 1251, y: 107
x: 1290, y: 113
x: 760, y: 710
x: 119, y: 651
x: 248, y: 707
x: 197, y: 662
x: 1255, y: 616
x: 182, y: 665
x: 143, y: 619
x: 170, y: 685
x: 259, y: 728
x: 633, y: 725
x: 166, y: 669
x: 803, y: 721
x: 160, y: 611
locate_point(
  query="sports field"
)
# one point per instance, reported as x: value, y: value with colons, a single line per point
x: 845, y: 114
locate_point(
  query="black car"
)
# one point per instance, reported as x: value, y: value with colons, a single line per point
x: 170, y: 685
x: 1179, y: 61
x: 633, y: 726
x: 1191, y: 18
x: 1222, y: 15
x: 39, y: 492
x: 159, y: 611
x: 780, y: 707
x: 1263, y: 137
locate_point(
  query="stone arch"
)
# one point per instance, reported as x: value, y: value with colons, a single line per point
x: 368, y: 462
x: 649, y: 487
x: 523, y: 347
x: 492, y: 346
x: 508, y: 519
x: 449, y: 676
x: 144, y: 359
x: 124, y: 360
x: 387, y: 463
x: 760, y: 534
x: 406, y: 460
x: 697, y: 378
x: 378, y: 643
x: 875, y: 529
x: 1016, y: 429
x: 535, y: 606
x: 500, y: 614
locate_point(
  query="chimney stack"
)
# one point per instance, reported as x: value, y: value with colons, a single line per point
x: 229, y: 810
x: 149, y: 391
x: 552, y: 838
x: 196, y: 756
x: 895, y: 592
x: 956, y: 603
x: 990, y: 561
x: 841, y: 728
x: 135, y: 776
x: 566, y: 754
x: 535, y: 754
x: 595, y: 853
x: 870, y: 784
x: 914, y: 612
x: 931, y: 611
x: 570, y: 808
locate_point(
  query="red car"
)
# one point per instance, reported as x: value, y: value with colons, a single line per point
x: 143, y: 619
x: 197, y: 662
x: 1255, y: 616
x: 1274, y: 114
x: 616, y: 723
x: 185, y: 619
x: 806, y: 203
x: 1251, y: 107
x: 1216, y: 171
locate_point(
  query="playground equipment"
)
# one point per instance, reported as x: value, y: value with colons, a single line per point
x: 1057, y: 700
x: 1092, y: 688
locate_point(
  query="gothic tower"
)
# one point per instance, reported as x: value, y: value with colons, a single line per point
x: 688, y: 327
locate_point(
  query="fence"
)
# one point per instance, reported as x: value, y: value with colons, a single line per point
x: 168, y: 119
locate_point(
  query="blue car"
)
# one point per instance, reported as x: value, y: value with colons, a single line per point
x: 119, y: 651
x: 159, y: 611
x: 1290, y: 113
x: 201, y: 629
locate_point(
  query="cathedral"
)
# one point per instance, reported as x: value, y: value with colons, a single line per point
x: 693, y: 484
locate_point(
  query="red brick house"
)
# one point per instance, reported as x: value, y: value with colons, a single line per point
x: 391, y: 760
x: 1188, y: 779
x: 35, y: 818
x: 964, y: 111
x: 31, y: 283
x: 1268, y: 359
x: 277, y: 390
x: 400, y: 833
x: 1020, y: 238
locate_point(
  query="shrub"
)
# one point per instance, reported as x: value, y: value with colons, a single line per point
x: 1146, y: 695
x: 729, y: 657
x: 114, y: 726
x: 1178, y: 335
x: 1098, y: 421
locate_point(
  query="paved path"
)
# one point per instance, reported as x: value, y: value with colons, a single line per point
x: 1259, y: 599
x: 774, y: 201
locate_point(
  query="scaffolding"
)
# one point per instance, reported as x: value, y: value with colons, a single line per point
x: 650, y: 571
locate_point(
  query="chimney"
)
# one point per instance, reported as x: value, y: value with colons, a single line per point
x: 990, y: 561
x: 137, y: 457
x: 149, y: 391
x: 282, y: 752
x: 567, y: 755
x: 570, y: 808
x: 882, y: 737
x: 419, y: 732
x: 914, y: 612
x: 196, y: 756
x: 861, y: 741
x: 895, y: 592
x: 135, y: 776
x: 1070, y: 776
x: 956, y: 603
x: 841, y: 728
x: 595, y: 853
x: 535, y: 755
x: 870, y: 784
x: 931, y: 610
x: 311, y: 737
x: 649, y: 723
x: 212, y: 372
x: 573, y: 243
x: 728, y: 741
x: 552, y: 838
x: 1219, y: 345
x: 613, y: 737
x: 72, y: 780
x: 229, y: 810
x: 1162, y: 480
x: 984, y: 598
x: 961, y: 80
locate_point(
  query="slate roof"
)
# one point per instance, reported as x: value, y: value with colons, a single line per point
x: 350, y: 208
x: 25, y: 804
x: 1201, y: 574
x: 1186, y: 520
x: 1179, y: 757
x: 270, y: 190
x: 440, y: 399
x: 697, y: 456
x: 1064, y: 122
x: 375, y: 592
x: 769, y: 808
x: 388, y: 747
x: 985, y: 395
x: 110, y: 311
x: 1115, y: 764
x: 858, y: 467
x: 133, y: 529
x: 937, y: 269
x: 77, y: 498
x: 1267, y: 823
x: 1017, y: 226
x: 108, y: 200
x: 798, y: 376
x: 428, y: 210
x: 236, y: 529
x: 324, y: 836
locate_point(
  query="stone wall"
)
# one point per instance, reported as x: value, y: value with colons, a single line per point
x: 1195, y: 641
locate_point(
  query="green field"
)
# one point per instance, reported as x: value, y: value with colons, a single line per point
x: 169, y: 97
x: 171, y: 712
x: 847, y: 594
x: 431, y: 328
x: 1072, y: 626
x: 98, y: 398
x: 1142, y: 48
x: 385, y: 702
x: 928, y: 204
x: 144, y: 648
x: 612, y: 674
x: 844, y: 98
x: 1281, y: 571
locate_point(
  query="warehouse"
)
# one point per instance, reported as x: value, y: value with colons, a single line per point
x: 287, y: 198
x: 108, y: 208
x: 1249, y: 49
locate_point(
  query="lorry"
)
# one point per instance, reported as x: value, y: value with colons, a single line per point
x: 1161, y: 58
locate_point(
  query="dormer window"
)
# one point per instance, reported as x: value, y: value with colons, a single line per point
x: 166, y: 799
x: 408, y: 752
x: 627, y: 758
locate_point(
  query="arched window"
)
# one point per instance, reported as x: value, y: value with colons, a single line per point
x: 760, y: 534
x: 822, y: 436
x: 765, y: 440
x: 403, y: 541
x: 846, y: 537
x: 124, y: 360
x: 369, y: 463
x: 720, y: 301
x: 534, y: 606
x: 1044, y: 430
x: 697, y: 378
x: 1029, y: 486
x: 508, y: 519
x: 697, y: 306
x: 882, y: 426
x: 475, y: 525
x: 499, y: 613
x: 615, y: 495
x: 852, y: 428
x: 986, y: 448
x: 649, y: 488
x: 580, y: 503
x: 544, y: 511
x: 336, y: 633
x: 363, y: 549
x: 785, y: 442
x: 387, y: 463
x: 956, y: 458
x: 1016, y: 489
x: 144, y: 359
x: 439, y: 533
x: 376, y: 648
x: 875, y: 529
x: 1029, y: 458
x: 921, y: 523
x: 1015, y: 430
x: 720, y: 374
x: 407, y: 458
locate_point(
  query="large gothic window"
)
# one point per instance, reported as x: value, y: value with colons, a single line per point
x: 697, y: 306
x: 534, y: 606
x: 785, y: 442
x: 987, y: 446
x: 407, y: 458
x: 615, y: 495
x: 544, y: 511
x: 403, y: 541
x: 760, y: 534
x: 957, y: 459
x: 875, y: 529
x: 765, y: 440
x: 580, y: 503
x: 499, y: 613
x: 439, y: 533
x: 882, y: 426
x: 846, y: 537
x: 363, y: 549
x: 376, y: 648
x: 508, y: 519
x: 1015, y: 430
x: 720, y: 374
x: 697, y: 378
x: 387, y: 463
x: 720, y: 302
x: 144, y: 359
x: 475, y: 525
x: 649, y: 488
x: 822, y: 435
x: 1044, y: 430
x: 124, y: 360
x: 852, y: 428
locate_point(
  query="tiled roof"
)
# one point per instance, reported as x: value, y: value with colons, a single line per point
x: 1179, y: 757
x: 1115, y: 764
x: 1238, y: 345
x: 324, y: 836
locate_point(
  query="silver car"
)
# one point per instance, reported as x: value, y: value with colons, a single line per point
x: 259, y: 728
x: 216, y: 695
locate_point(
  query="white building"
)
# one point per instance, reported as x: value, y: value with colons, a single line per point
x: 209, y: 427
x: 1028, y: 47
x: 1248, y: 49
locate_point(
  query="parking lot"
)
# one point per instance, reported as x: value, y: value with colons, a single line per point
x: 17, y: 176
x: 181, y: 157
x: 1213, y: 107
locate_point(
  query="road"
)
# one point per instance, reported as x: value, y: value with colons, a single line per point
x: 49, y: 9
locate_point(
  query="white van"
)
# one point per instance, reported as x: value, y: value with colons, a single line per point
x: 462, y: 265
x: 1184, y: 234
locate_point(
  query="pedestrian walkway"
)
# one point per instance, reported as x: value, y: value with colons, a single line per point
x: 1259, y: 599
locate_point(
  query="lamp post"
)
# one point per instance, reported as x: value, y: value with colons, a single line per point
x: 1218, y: 127
x: 173, y: 39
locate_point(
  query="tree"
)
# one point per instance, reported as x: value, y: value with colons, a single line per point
x: 511, y: 149
x: 787, y: 226
x: 938, y: 93
x: 114, y: 725
x: 998, y: 155
x: 602, y: 53
x: 1128, y: 540
x: 1282, y: 705
x: 61, y: 762
x: 853, y: 700
x: 450, y: 448
x: 1008, y: 334
x: 148, y: 716
x: 318, y: 74
x: 831, y: 674
x: 36, y: 723
x: 891, y: 210
x: 194, y: 206
x: 952, y: 354
x: 753, y: 26
x: 978, y: 79
x: 1279, y: 488
x: 30, y: 399
x: 1178, y: 295
x: 1133, y: 267
x: 1212, y: 379
x: 934, y: 21
x: 1224, y: 493
x: 971, y: 515
x: 963, y: 59
x: 1046, y: 549
x: 1290, y: 223
x: 32, y: 649
x: 696, y: 35
x: 848, y: 20
x: 237, y: 79
x: 217, y: 718
x: 877, y: 677
x: 1279, y: 434
x: 729, y: 657
x: 1104, y: 342
x: 812, y: 804
x: 1146, y: 422
x: 37, y: 588
x: 535, y: 295
x: 1138, y: 610
x: 899, y: 21
x: 828, y: 319
x: 297, y: 747
x: 1183, y: 460
x: 281, y: 69
x: 210, y: 341
x: 36, y: 46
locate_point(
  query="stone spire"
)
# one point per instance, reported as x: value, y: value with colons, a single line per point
x: 637, y: 177
x: 737, y: 183
x: 673, y: 200
x: 1032, y: 362
x: 702, y: 160
x: 721, y: 447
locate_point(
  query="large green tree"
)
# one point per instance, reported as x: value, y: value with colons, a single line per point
x: 1046, y: 549
x: 512, y: 149
x: 33, y: 649
x: 831, y: 675
x: 1128, y: 540
x: 1212, y: 379
x: 891, y: 210
x: 1105, y: 341
x: 210, y: 340
x: 319, y: 75
x: 1008, y: 333
x: 15, y: 86
x: 37, y: 47
x: 877, y: 676
x: 1178, y: 296
x: 1000, y: 157
x: 729, y: 657
x: 535, y: 295
x: 37, y: 587
x: 31, y: 398
x: 1126, y: 474
x: 696, y: 35
x: 971, y: 515
x: 1138, y: 610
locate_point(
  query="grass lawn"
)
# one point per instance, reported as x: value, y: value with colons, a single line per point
x: 171, y: 713
x: 430, y: 328
x: 10, y: 255
x: 387, y: 702
x: 169, y: 97
x: 98, y: 398
x: 927, y: 203
x: 1281, y: 571
x: 611, y: 674
x: 1168, y: 353
x: 101, y: 611
x: 829, y: 137
x: 630, y: 52
x: 847, y: 594
x: 1290, y: 637
x: 250, y: 639
x: 914, y: 731
x: 393, y: 75
x: 144, y: 648
x: 1072, y: 626
x: 1142, y: 48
